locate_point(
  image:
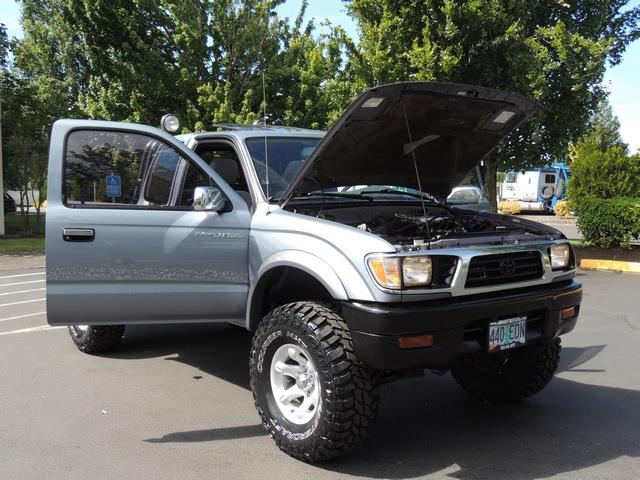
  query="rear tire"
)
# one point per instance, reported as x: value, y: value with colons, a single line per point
x: 509, y: 376
x: 306, y: 347
x: 96, y: 339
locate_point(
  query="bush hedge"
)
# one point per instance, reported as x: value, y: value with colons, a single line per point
x: 612, y: 222
x: 562, y: 208
x: 509, y: 207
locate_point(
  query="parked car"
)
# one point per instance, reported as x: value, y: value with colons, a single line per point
x: 9, y: 203
x: 469, y: 196
x: 343, y: 290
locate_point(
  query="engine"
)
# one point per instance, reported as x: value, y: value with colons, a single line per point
x: 402, y: 229
x: 406, y: 226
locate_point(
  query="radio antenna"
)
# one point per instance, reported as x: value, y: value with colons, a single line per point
x: 415, y: 166
x: 266, y: 150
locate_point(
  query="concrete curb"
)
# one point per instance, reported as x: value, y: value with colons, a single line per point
x: 22, y: 261
x: 615, y: 265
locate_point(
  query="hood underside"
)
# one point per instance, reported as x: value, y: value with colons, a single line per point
x: 449, y: 128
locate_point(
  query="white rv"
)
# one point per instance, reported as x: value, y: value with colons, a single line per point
x: 536, y: 190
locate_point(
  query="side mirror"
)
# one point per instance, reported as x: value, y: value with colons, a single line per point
x: 209, y: 198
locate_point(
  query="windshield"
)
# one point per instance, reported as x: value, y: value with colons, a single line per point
x: 285, y: 157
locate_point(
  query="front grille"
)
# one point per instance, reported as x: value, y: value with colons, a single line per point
x: 487, y: 270
x: 443, y: 269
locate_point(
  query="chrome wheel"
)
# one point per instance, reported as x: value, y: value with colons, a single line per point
x: 294, y: 383
x: 81, y: 328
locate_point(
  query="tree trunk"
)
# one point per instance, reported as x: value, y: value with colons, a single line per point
x: 24, y: 210
x: 490, y: 181
x: 37, y: 205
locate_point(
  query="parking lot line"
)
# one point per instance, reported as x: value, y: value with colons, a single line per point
x: 23, y: 291
x: 23, y: 301
x: 32, y: 329
x: 22, y: 275
x: 18, y: 317
x: 20, y: 283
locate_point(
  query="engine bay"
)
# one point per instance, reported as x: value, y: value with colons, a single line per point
x: 406, y: 227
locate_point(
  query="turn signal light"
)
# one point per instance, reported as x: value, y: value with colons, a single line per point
x: 415, y: 341
x: 569, y: 312
x: 386, y: 271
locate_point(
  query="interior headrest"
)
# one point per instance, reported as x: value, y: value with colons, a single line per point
x: 227, y: 168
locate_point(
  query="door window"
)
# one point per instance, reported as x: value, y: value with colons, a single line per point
x: 163, y: 169
x: 118, y: 169
x: 193, y: 177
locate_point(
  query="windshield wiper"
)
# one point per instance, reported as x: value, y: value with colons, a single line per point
x: 393, y: 191
x: 354, y: 196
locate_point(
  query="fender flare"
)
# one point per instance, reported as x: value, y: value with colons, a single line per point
x: 304, y: 261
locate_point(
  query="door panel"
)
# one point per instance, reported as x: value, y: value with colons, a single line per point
x: 147, y: 261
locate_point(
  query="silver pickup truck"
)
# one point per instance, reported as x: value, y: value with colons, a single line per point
x: 337, y: 250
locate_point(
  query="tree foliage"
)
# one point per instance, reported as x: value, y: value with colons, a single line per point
x: 4, y: 47
x: 205, y: 61
x: 600, y: 166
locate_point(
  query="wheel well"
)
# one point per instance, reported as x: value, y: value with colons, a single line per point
x: 282, y: 285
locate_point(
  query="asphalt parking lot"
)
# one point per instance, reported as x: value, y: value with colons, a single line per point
x: 174, y: 402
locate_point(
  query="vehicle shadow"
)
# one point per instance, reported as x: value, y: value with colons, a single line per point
x: 426, y: 427
x: 220, y: 350
x: 428, y: 424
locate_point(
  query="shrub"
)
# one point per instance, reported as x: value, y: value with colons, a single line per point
x: 563, y: 208
x: 509, y: 207
x: 611, y: 222
x: 603, y: 174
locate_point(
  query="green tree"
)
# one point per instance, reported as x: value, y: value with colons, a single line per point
x: 116, y: 59
x: 554, y: 52
x: 601, y: 166
x: 301, y: 71
x: 26, y: 123
x: 4, y: 47
x: 603, y: 173
x: 603, y: 131
x: 138, y: 59
x: 30, y: 105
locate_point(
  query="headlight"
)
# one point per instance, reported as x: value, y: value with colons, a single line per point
x: 560, y: 256
x: 386, y: 271
x: 416, y: 271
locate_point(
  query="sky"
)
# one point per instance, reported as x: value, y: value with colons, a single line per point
x: 620, y: 81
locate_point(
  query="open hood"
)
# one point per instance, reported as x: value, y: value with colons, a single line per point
x: 449, y: 127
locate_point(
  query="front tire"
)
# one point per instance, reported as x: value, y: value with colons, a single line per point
x: 314, y: 396
x: 506, y: 377
x: 96, y: 339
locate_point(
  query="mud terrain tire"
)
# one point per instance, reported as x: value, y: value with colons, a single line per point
x: 96, y: 339
x: 507, y: 377
x: 347, y: 399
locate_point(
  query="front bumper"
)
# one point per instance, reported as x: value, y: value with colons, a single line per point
x: 459, y: 325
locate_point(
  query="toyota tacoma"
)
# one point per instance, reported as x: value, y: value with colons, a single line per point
x: 338, y: 250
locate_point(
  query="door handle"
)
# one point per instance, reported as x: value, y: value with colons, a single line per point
x: 78, y: 234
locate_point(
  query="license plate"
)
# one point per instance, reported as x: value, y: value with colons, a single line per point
x: 507, y: 333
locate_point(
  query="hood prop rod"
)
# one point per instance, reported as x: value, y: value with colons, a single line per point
x: 415, y: 166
